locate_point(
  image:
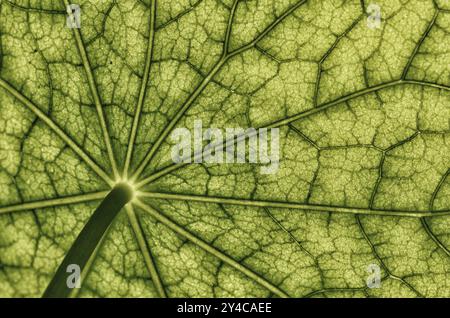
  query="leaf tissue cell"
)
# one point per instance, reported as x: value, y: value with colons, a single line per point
x: 92, y: 204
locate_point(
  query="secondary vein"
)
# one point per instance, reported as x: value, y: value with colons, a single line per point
x: 95, y: 95
x: 305, y: 114
x: 275, y: 204
x: 145, y: 251
x: 143, y: 90
x: 57, y: 130
x: 223, y: 59
x: 40, y: 204
x: 212, y: 250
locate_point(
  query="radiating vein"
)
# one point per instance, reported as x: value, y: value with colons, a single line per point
x: 302, y: 115
x: 176, y: 118
x: 212, y: 250
x: 145, y: 251
x: 298, y: 206
x: 95, y: 95
x: 54, y: 202
x: 56, y: 129
x: 354, y: 95
x: 225, y: 56
x: 143, y: 90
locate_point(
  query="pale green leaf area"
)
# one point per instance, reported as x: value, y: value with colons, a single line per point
x: 364, y: 119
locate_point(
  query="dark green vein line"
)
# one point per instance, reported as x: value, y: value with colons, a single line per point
x: 172, y: 167
x: 229, y: 28
x: 178, y: 16
x: 291, y: 236
x: 56, y: 129
x: 145, y: 251
x: 95, y: 95
x: 434, y: 238
x: 333, y: 290
x: 425, y: 224
x: 354, y: 95
x: 327, y: 54
x: 176, y: 118
x: 267, y: 30
x: 37, y: 10
x: 88, y: 239
x: 380, y: 260
x: 143, y: 90
x: 212, y: 250
x: 199, y: 89
x: 41, y: 204
x: 299, y: 206
x: 419, y: 43
x: 437, y: 189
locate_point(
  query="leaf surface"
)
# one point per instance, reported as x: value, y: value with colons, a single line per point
x: 364, y: 119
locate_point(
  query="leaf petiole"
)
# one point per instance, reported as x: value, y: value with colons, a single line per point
x: 88, y: 239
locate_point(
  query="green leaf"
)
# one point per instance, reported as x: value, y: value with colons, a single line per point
x: 364, y: 119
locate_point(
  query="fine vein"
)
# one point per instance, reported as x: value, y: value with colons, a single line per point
x: 95, y: 95
x: 225, y: 56
x: 275, y: 204
x: 212, y: 250
x: 143, y: 90
x: 305, y: 114
x: 40, y: 204
x: 145, y: 251
x: 56, y: 129
x: 419, y: 43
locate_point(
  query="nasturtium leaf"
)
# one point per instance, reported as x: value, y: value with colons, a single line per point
x: 363, y: 112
